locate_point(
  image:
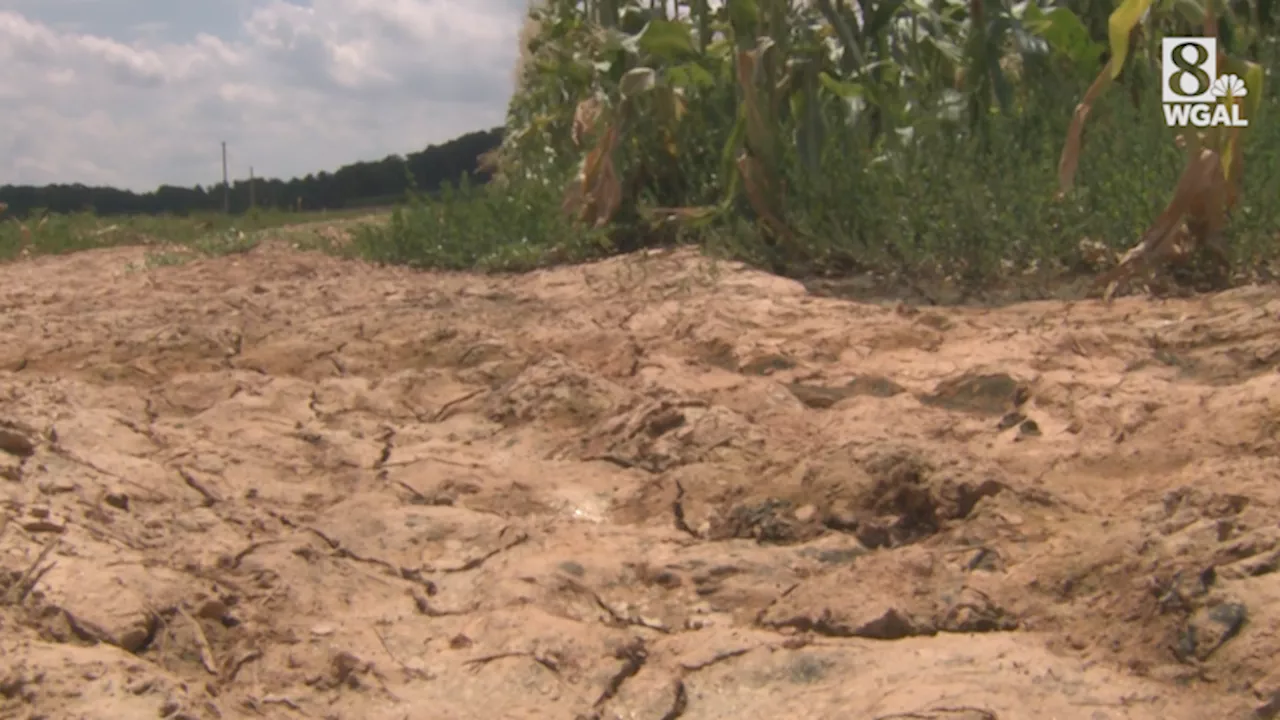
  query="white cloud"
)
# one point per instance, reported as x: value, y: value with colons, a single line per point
x: 296, y: 89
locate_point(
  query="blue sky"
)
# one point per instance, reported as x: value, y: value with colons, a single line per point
x: 138, y: 93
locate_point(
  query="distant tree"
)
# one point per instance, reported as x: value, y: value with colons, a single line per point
x: 357, y: 185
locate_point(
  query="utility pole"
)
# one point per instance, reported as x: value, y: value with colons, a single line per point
x: 252, y: 204
x: 226, y: 186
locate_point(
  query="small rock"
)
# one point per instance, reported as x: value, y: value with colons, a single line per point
x: 805, y: 513
x: 322, y: 630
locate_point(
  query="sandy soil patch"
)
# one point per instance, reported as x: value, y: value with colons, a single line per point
x: 284, y: 485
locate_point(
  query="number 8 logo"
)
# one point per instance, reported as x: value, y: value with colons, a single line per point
x: 1194, y: 68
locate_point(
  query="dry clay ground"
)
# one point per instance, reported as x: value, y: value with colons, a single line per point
x: 284, y: 485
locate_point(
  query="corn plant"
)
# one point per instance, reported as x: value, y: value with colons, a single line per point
x: 704, y: 112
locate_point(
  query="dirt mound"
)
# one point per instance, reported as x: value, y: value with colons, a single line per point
x: 283, y: 485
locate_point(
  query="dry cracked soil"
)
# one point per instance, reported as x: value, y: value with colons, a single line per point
x: 285, y: 485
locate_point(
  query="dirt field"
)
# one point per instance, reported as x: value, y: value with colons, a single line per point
x: 282, y: 485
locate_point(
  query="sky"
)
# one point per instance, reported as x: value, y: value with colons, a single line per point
x: 138, y: 93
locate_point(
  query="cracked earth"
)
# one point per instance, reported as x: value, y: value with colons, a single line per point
x: 284, y: 485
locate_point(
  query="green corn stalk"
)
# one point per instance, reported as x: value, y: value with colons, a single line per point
x: 758, y: 78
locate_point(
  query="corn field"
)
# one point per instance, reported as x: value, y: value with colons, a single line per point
x: 965, y: 141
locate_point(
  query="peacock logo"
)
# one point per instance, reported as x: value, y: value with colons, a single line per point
x: 1229, y: 86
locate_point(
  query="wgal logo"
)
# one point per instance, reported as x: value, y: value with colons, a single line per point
x: 1193, y: 92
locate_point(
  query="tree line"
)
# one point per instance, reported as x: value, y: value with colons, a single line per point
x: 361, y: 184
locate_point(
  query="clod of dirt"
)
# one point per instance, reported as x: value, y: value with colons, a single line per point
x: 943, y: 713
x: 834, y: 556
x: 719, y: 353
x: 1209, y: 629
x: 985, y: 560
x: 773, y: 521
x: 885, y: 497
x: 573, y: 568
x: 131, y: 634
x: 78, y: 681
x: 1029, y: 429
x: 818, y: 397
x: 1269, y: 710
x: 875, y: 386
x: 971, y: 611
x: 345, y: 668
x: 1185, y: 505
x: 898, y: 594
x: 1010, y: 419
x: 17, y: 439
x: 1252, y: 554
x: 117, y: 499
x: 936, y: 321
x: 988, y: 394
x: 110, y: 610
x: 903, y: 508
x: 661, y: 435
x: 16, y: 683
x: 767, y: 365
x: 907, y: 500
x: 558, y: 394
x: 821, y: 397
